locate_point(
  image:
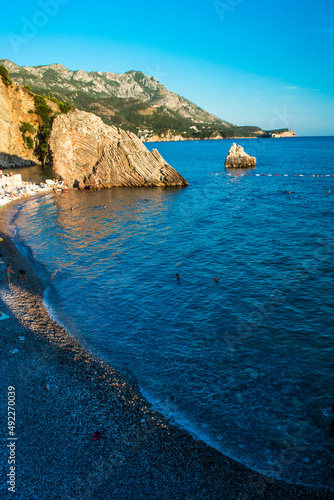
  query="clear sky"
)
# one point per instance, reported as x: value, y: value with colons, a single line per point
x: 250, y: 62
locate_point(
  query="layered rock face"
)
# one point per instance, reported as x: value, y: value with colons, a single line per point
x: 86, y: 153
x: 238, y: 158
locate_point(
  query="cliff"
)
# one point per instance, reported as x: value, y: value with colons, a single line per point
x: 86, y: 153
x: 19, y: 125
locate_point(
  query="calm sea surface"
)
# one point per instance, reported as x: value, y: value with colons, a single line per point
x: 247, y: 363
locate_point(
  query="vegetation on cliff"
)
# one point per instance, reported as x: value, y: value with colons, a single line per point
x: 27, y: 129
x: 44, y: 112
x: 64, y: 107
x: 5, y: 76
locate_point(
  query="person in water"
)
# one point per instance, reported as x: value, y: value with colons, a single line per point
x: 8, y: 272
x: 178, y: 277
x: 216, y: 279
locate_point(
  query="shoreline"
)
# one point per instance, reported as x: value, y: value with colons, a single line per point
x: 163, y: 139
x: 65, y: 394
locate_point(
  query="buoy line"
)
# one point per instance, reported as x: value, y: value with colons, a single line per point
x: 272, y: 175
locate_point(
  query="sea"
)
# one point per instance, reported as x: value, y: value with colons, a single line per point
x: 244, y: 363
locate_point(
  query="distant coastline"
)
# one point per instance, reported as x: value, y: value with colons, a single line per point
x: 184, y: 139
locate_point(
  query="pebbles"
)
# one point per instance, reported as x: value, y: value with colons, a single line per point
x: 26, y: 189
x: 140, y: 456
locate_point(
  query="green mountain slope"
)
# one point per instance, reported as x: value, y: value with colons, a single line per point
x: 132, y: 100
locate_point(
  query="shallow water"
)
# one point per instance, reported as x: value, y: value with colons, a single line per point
x: 245, y: 363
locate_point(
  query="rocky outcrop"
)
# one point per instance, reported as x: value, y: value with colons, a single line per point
x: 86, y: 153
x: 238, y: 158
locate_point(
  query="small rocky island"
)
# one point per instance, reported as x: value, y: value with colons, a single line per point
x: 237, y: 158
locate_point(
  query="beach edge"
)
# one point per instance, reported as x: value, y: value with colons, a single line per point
x: 139, y: 455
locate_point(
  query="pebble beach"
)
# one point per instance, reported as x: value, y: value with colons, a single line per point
x: 13, y: 188
x: 85, y: 431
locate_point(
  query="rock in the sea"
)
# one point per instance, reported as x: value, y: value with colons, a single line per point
x: 238, y: 158
x: 86, y: 153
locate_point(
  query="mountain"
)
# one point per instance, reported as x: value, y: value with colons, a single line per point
x: 83, y: 151
x: 132, y: 100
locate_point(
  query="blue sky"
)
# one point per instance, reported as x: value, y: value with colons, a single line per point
x: 250, y: 62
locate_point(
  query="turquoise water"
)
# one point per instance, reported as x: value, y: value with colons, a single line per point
x: 246, y: 363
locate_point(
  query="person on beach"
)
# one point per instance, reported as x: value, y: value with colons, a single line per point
x: 22, y: 274
x: 8, y: 272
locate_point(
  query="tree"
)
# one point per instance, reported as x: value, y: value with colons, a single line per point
x: 5, y: 76
x: 44, y: 112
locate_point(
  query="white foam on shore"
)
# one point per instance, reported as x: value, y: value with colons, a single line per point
x: 56, y: 313
x: 192, y: 428
x: 198, y: 433
x: 52, y: 311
